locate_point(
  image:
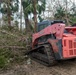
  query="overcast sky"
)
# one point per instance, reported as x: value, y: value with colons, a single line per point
x: 48, y: 1
x: 46, y: 13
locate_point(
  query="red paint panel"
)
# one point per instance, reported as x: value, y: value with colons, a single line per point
x: 56, y: 29
x: 71, y: 29
x: 69, y: 50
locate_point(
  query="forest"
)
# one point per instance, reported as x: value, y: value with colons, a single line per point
x: 18, y: 22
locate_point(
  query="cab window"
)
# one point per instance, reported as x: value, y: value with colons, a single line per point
x: 42, y: 26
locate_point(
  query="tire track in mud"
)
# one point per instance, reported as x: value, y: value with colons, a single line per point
x: 63, y: 68
x: 66, y: 68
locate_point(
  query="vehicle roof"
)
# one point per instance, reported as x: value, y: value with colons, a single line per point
x: 45, y: 21
x: 50, y: 22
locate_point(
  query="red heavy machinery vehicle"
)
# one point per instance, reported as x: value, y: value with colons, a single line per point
x: 53, y: 42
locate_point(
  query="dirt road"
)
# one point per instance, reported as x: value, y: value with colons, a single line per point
x: 63, y: 68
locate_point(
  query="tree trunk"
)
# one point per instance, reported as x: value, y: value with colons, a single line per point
x: 21, y: 17
x: 9, y: 19
x: 66, y: 14
x: 35, y: 14
x: 9, y: 13
x: 27, y: 23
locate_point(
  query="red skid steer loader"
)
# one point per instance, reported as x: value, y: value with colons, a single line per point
x: 52, y: 42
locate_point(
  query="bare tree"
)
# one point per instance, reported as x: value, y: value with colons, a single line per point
x: 21, y: 17
x: 35, y: 14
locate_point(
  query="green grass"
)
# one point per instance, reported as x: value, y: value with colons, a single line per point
x: 3, y: 61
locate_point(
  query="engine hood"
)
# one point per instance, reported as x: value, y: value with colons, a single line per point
x: 68, y: 35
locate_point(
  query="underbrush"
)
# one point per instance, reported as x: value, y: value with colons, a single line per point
x: 9, y: 55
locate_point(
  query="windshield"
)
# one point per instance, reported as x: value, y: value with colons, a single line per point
x: 42, y: 26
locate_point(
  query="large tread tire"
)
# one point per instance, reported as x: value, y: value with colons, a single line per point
x: 46, y: 58
x: 50, y: 55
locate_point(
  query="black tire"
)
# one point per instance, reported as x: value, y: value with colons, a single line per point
x: 44, y: 55
x: 50, y: 55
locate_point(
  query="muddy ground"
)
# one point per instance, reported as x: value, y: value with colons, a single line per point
x: 62, y: 68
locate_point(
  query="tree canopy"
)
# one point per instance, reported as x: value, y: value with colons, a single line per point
x: 8, y: 8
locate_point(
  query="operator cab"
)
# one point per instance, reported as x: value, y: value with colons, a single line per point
x: 46, y: 23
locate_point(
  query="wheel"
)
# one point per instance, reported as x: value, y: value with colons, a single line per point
x: 50, y: 55
x: 44, y: 55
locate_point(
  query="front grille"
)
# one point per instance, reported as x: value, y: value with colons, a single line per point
x: 71, y: 52
x: 74, y: 44
x: 75, y: 51
x: 70, y: 44
x: 64, y: 42
x: 69, y: 47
